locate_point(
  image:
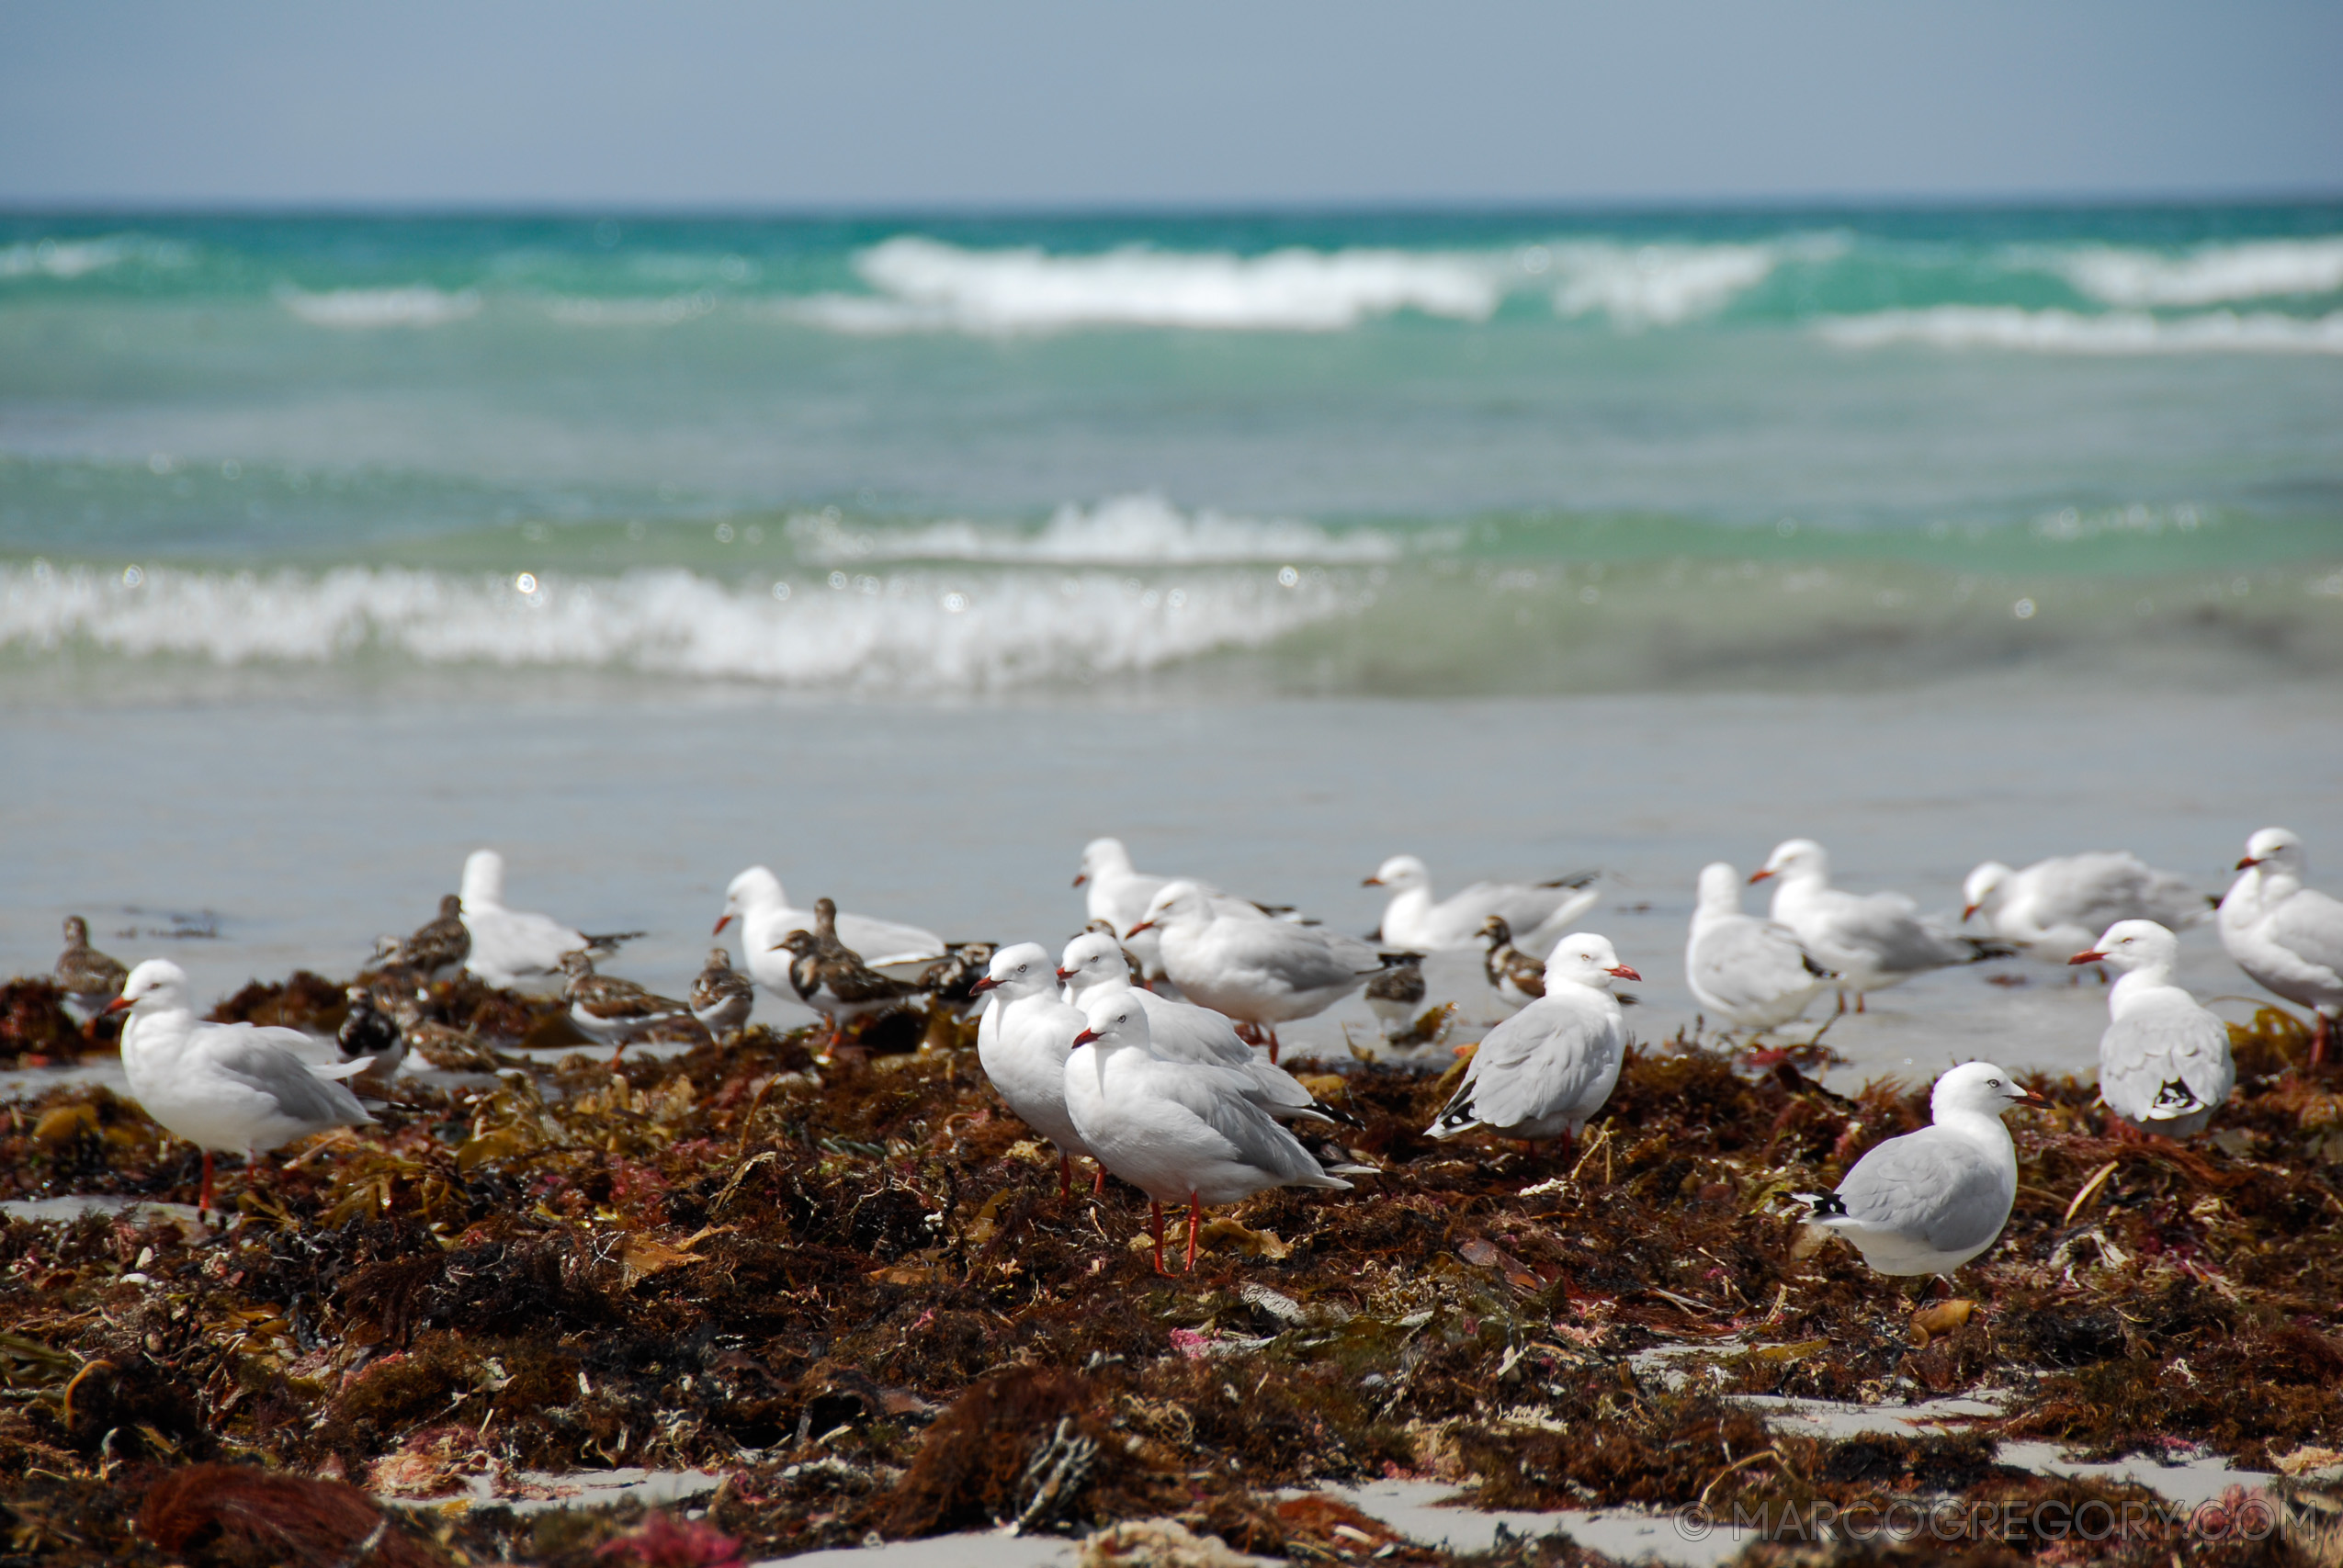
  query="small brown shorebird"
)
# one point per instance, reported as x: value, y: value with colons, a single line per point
x: 88, y: 977
x: 722, y: 998
x: 612, y: 1011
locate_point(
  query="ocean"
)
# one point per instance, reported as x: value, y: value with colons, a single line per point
x: 848, y: 540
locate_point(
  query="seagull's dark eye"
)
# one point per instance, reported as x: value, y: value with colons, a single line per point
x: 1993, y: 1083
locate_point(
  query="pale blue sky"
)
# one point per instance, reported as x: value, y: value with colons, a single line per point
x: 829, y: 103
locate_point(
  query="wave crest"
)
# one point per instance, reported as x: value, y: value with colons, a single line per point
x: 1656, y: 285
x: 364, y: 310
x: 2069, y: 332
x: 2259, y: 270
x: 1132, y: 530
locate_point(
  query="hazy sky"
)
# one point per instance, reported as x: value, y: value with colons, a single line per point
x: 1026, y: 102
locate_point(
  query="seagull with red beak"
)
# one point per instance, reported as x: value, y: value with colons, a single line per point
x: 1542, y: 1072
x: 1023, y: 1038
x: 2164, y: 1063
x: 2289, y: 938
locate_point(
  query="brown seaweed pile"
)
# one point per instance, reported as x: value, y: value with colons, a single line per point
x: 850, y: 1290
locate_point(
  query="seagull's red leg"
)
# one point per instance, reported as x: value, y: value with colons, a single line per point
x: 1842, y: 1006
x: 1155, y: 1212
x: 203, y: 1199
x: 1098, y: 1182
x: 1195, y: 1223
x: 1065, y: 1175
x: 1273, y: 1047
x: 1859, y: 998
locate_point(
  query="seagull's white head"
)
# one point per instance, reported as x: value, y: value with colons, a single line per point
x: 2274, y: 847
x: 1116, y: 1018
x: 484, y: 878
x: 2133, y: 944
x: 1794, y: 860
x: 1979, y: 1087
x: 1104, y: 857
x: 1091, y: 959
x: 1176, y: 903
x: 156, y: 986
x: 755, y: 888
x: 1720, y: 890
x: 1982, y: 887
x: 1400, y: 873
x: 1585, y: 959
x: 1021, y: 969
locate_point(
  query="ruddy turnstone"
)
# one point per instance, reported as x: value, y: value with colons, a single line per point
x: 1519, y: 977
x: 89, y: 978
x: 722, y: 998
x: 612, y: 1011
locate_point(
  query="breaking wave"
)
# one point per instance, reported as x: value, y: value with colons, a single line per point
x: 2071, y: 332
x: 1133, y: 530
x: 1656, y: 285
x: 903, y: 632
x: 2210, y: 276
x: 362, y: 309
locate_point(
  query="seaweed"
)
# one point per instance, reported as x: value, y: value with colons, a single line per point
x: 850, y: 1290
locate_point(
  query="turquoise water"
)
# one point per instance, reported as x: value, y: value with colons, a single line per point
x: 1372, y: 454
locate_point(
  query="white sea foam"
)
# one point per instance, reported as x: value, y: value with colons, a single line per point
x: 924, y: 284
x: 1131, y: 530
x: 69, y: 259
x: 2071, y: 332
x: 907, y: 631
x: 361, y: 310
x: 1640, y: 285
x: 2261, y: 269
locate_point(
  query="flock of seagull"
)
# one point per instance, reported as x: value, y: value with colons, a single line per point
x: 1140, y: 1045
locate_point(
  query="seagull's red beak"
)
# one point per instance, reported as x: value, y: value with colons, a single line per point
x: 1372, y: 882
x: 987, y: 984
x: 2093, y: 956
x: 1086, y: 1036
x: 2248, y: 864
x: 1142, y: 926
x: 1064, y: 975
x: 1966, y: 910
x: 1081, y: 877
x: 1623, y: 972
x: 2027, y: 1096
x: 722, y: 921
x: 119, y: 1004
x: 1760, y: 875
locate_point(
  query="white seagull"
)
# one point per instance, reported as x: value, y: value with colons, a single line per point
x: 2053, y: 907
x: 1176, y: 1131
x: 1754, y: 974
x: 1261, y: 973
x: 1119, y: 893
x: 1929, y: 1202
x: 2164, y: 1061
x: 1022, y: 1039
x: 756, y: 900
x: 1537, y: 914
x: 1542, y: 1072
x: 2289, y: 938
x: 1093, y: 964
x: 512, y: 945
x: 1870, y: 941
x: 225, y: 1088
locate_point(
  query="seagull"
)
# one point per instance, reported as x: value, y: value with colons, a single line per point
x: 1397, y: 995
x: 1542, y: 1072
x: 2164, y: 1061
x: 1176, y: 1131
x: 1259, y: 972
x: 1541, y: 913
x: 370, y: 1036
x: 1517, y: 977
x: 2053, y: 905
x: 225, y: 1088
x: 2289, y: 938
x: 511, y: 946
x: 1929, y: 1202
x: 1870, y: 941
x: 88, y: 977
x: 722, y: 998
x: 1023, y: 1039
x: 756, y: 900
x: 833, y: 979
x: 1754, y: 974
x: 1093, y: 964
x: 1119, y: 894
x: 614, y: 1011
x: 437, y: 947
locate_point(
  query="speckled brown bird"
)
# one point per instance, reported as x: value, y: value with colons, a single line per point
x: 722, y: 998
x: 367, y: 1030
x: 438, y: 947
x: 88, y: 976
x: 612, y: 1011
x: 1519, y: 979
x: 833, y: 981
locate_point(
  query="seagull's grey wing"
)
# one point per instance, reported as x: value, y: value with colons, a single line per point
x: 1525, y: 908
x: 1900, y: 943
x: 1254, y: 1137
x: 1181, y: 1031
x: 1749, y: 961
x: 1544, y: 1059
x: 1298, y: 956
x: 1930, y: 1185
x: 2172, y: 900
x: 2310, y: 926
x: 246, y: 1053
x: 880, y: 943
x: 2162, y: 1064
